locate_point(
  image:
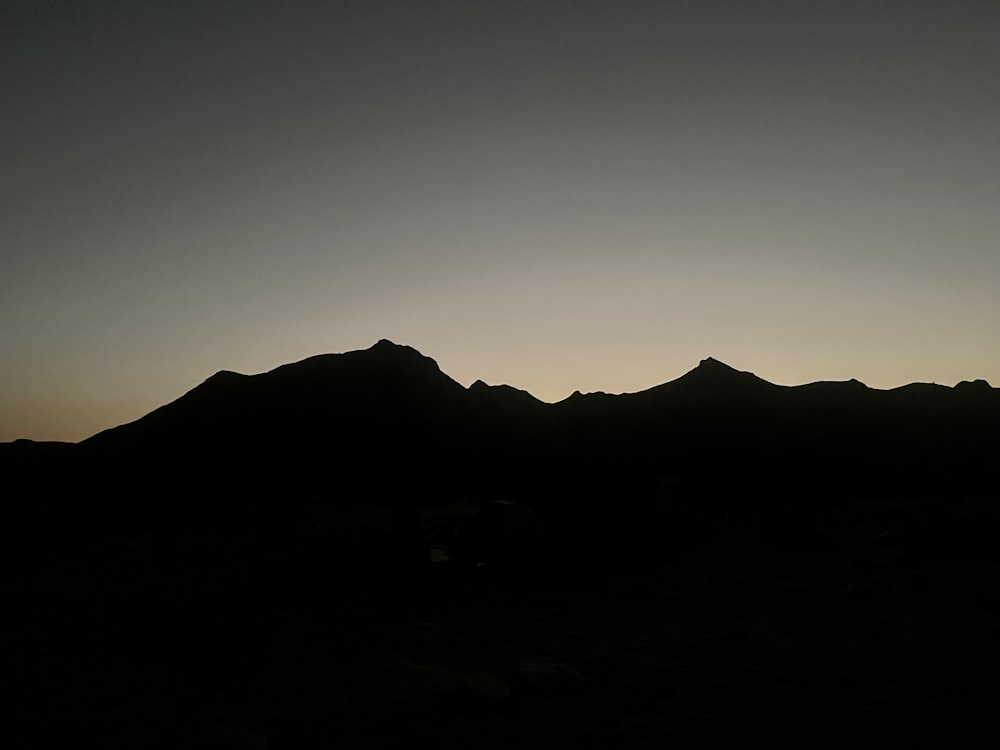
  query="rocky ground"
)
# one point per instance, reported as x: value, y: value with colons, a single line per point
x: 869, y: 625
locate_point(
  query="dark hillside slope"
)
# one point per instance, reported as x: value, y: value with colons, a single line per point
x: 720, y: 432
x: 374, y: 416
x: 385, y: 422
x: 32, y: 469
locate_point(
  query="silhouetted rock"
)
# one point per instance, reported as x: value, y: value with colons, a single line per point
x: 385, y: 423
x: 978, y: 386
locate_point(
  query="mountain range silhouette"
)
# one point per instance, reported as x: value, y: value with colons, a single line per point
x: 386, y: 420
x: 269, y: 557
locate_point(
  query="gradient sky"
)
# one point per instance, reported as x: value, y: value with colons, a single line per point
x: 555, y: 195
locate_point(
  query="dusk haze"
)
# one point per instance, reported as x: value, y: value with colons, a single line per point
x: 557, y: 196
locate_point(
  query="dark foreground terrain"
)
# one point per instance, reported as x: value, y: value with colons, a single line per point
x: 871, y: 624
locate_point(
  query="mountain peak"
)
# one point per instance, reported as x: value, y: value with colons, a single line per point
x: 398, y: 352
x: 385, y: 345
x: 711, y: 363
x: 710, y: 367
x: 974, y: 386
x: 712, y: 374
x: 503, y: 393
x: 226, y: 375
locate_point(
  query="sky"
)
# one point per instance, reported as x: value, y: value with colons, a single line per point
x: 554, y: 195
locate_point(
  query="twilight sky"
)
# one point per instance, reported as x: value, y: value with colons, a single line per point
x: 555, y: 195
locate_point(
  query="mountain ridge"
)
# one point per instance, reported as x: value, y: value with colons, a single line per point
x: 709, y: 372
x: 376, y: 421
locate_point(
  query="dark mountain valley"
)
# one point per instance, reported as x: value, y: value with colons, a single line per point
x: 357, y: 551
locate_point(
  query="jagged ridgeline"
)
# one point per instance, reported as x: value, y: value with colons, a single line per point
x: 386, y: 422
